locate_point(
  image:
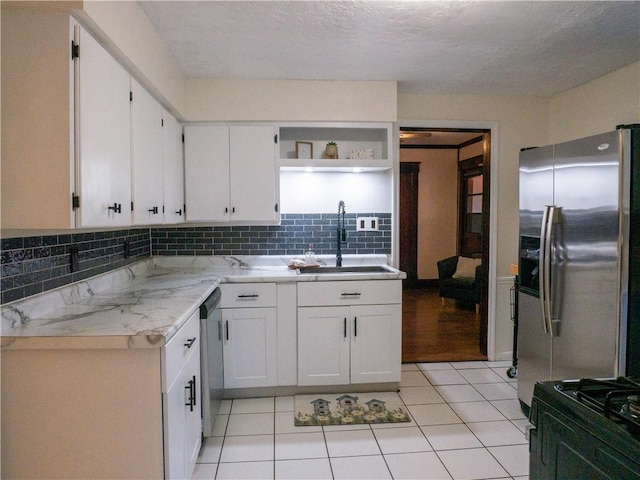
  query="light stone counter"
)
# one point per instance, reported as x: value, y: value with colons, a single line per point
x: 144, y: 305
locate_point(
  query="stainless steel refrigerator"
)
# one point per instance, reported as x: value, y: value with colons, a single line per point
x: 578, y: 300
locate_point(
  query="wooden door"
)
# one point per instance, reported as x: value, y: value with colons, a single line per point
x: 409, y: 172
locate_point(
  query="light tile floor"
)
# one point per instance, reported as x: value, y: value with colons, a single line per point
x: 467, y: 424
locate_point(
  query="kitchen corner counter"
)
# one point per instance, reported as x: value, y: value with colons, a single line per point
x: 144, y: 305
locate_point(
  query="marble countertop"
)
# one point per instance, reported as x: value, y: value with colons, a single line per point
x: 144, y: 305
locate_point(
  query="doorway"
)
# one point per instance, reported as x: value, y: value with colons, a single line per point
x: 444, y: 210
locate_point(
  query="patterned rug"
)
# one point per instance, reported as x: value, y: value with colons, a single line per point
x: 344, y: 409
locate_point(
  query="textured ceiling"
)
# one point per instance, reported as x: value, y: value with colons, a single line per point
x: 462, y: 47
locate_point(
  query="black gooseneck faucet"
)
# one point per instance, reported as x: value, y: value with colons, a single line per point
x: 341, y: 234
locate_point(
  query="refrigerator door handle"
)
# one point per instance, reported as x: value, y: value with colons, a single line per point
x: 546, y: 231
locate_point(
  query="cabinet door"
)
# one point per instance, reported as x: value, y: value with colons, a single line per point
x: 192, y: 408
x: 173, y: 169
x: 253, y: 180
x: 249, y: 347
x: 323, y: 345
x: 105, y: 137
x: 147, y: 166
x: 206, y: 156
x: 376, y: 343
x: 175, y: 428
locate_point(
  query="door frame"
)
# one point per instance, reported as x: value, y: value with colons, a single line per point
x: 493, y: 213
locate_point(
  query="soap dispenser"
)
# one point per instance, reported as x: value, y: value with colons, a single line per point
x: 310, y: 256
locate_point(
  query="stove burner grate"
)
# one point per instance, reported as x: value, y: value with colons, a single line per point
x: 617, y: 399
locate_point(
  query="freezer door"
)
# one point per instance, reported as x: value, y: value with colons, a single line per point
x: 585, y: 264
x: 536, y: 188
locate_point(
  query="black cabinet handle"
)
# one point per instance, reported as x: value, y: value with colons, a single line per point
x: 226, y: 328
x: 252, y: 295
x: 191, y: 386
x: 195, y: 392
x: 154, y: 210
x: 355, y: 326
x: 116, y: 207
x: 345, y: 327
x: 353, y: 294
x: 179, y: 212
x: 190, y: 341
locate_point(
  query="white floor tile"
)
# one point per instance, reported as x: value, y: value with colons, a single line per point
x: 509, y: 408
x: 514, y: 458
x: 419, y: 466
x: 477, y: 411
x: 210, y: 450
x: 413, y: 378
x: 247, y: 448
x: 497, y: 391
x: 502, y: 373
x: 459, y: 393
x: 445, y: 377
x: 402, y: 440
x: 450, y: 437
x: 434, y: 414
x: 358, y: 468
x: 253, y: 405
x: 465, y: 365
x: 225, y: 407
x: 311, y: 469
x: 480, y: 375
x: 291, y: 446
x: 420, y: 395
x: 204, y: 471
x: 220, y: 425
x: 285, y: 424
x: 493, y: 434
x: 407, y: 367
x: 245, y: 471
x: 435, y: 366
x: 521, y: 424
x: 351, y: 443
x: 471, y: 464
x: 284, y: 404
x: 250, y: 424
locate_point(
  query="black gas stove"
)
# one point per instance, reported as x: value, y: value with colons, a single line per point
x: 586, y: 429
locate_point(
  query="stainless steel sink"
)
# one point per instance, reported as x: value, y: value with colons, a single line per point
x: 351, y: 269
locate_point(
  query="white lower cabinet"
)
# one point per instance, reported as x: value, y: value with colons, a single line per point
x: 341, y: 340
x: 250, y: 334
x: 181, y: 396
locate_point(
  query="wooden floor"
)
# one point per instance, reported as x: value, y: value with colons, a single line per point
x: 433, y: 333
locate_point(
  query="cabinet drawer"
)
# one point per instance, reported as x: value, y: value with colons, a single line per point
x: 248, y: 295
x: 373, y: 292
x: 177, y: 350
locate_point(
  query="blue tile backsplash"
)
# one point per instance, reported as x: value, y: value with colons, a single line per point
x: 32, y: 265
x: 291, y: 237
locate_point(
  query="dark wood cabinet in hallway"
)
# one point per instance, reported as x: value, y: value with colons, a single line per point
x: 433, y: 333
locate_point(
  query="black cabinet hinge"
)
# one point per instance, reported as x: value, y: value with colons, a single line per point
x: 131, y: 96
x: 132, y: 206
x: 275, y: 138
x: 75, y: 201
x: 75, y: 50
x: 276, y: 208
x: 183, y: 138
x: 162, y: 122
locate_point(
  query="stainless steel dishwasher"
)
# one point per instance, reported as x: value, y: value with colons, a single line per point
x: 211, y: 360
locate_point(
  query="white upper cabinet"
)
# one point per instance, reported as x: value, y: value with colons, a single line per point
x: 147, y: 156
x: 173, y: 169
x: 230, y: 173
x: 103, y: 136
x: 206, y: 171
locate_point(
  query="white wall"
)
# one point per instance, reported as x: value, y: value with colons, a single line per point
x: 597, y: 106
x: 290, y: 100
x: 318, y: 192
